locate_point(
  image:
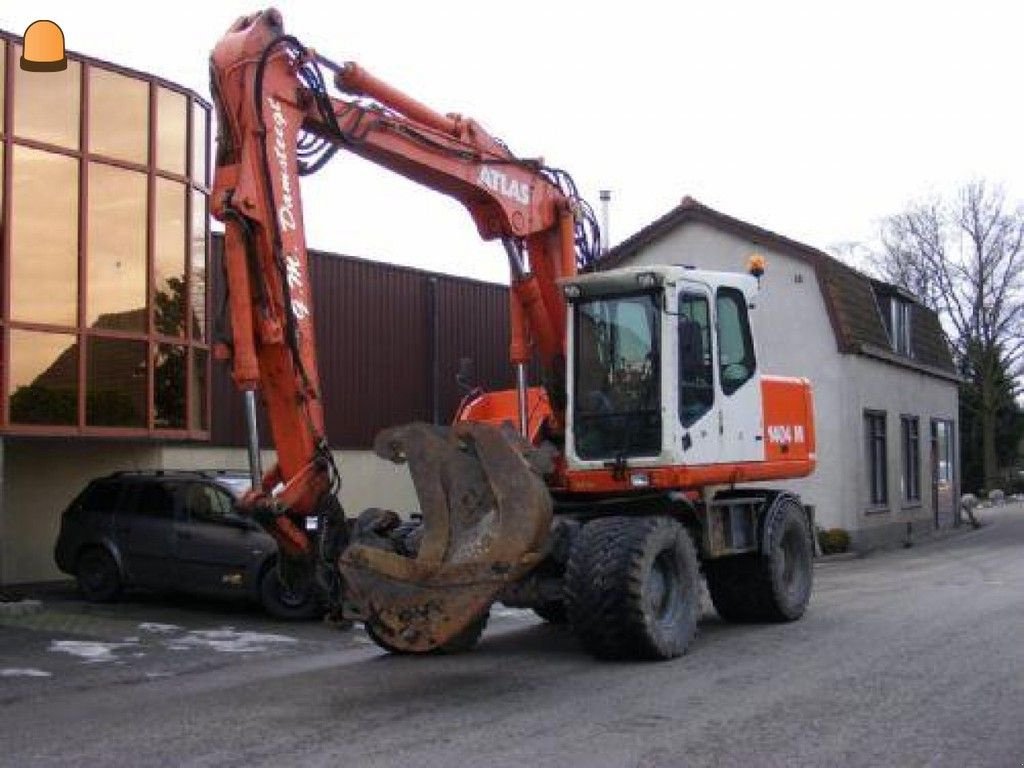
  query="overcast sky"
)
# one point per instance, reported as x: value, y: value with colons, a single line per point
x: 811, y: 119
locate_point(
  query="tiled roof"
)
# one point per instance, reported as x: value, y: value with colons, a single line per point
x: 850, y: 296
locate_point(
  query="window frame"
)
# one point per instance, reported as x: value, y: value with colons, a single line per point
x: 747, y: 339
x: 690, y: 293
x: 875, y: 439
x: 195, y: 180
x: 910, y: 460
x: 901, y: 314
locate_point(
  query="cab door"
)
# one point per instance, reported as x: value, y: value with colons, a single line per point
x: 698, y: 401
x: 739, y: 385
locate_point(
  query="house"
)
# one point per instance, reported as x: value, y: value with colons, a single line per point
x: 885, y: 387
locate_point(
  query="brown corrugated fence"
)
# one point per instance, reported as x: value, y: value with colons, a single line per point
x: 389, y: 339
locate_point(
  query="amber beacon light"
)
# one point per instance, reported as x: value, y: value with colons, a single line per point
x: 44, y: 48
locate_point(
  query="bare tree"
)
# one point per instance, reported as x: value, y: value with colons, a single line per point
x: 964, y: 258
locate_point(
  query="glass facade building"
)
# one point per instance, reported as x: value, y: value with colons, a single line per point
x: 104, y: 252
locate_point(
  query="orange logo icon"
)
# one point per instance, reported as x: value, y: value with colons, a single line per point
x: 44, y: 48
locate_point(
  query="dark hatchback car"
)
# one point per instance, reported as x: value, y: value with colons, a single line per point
x: 176, y: 531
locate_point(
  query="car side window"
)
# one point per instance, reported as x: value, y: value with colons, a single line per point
x: 100, y: 496
x: 155, y: 500
x: 208, y: 504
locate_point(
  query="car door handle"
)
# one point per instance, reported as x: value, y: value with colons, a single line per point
x: 184, y: 535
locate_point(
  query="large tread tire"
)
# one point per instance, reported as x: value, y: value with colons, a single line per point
x: 288, y: 606
x: 465, y: 641
x: 554, y: 612
x: 98, y: 577
x: 773, y: 586
x: 632, y: 588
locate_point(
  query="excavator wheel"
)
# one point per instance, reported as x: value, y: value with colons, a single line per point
x: 773, y: 585
x: 632, y: 588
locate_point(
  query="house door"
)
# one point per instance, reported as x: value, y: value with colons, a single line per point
x: 947, y: 512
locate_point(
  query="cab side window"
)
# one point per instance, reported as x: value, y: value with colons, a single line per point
x: 735, y: 345
x: 696, y: 376
x: 207, y: 504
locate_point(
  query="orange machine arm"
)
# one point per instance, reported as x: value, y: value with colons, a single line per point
x: 277, y: 122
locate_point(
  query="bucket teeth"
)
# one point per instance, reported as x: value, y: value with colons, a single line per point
x: 486, y: 516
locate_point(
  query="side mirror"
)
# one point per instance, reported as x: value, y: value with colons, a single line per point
x: 239, y: 522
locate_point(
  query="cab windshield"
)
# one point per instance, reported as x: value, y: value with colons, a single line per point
x: 617, y: 393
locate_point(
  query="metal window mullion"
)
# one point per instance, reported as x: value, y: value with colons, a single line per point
x: 189, y: 319
x: 5, y: 234
x: 83, y: 243
x: 151, y: 347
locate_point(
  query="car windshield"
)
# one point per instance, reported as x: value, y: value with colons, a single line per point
x: 237, y: 485
x: 617, y: 384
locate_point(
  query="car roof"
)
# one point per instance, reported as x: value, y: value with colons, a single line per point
x: 235, y: 480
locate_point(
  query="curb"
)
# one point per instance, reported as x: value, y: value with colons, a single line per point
x: 20, y: 608
x: 842, y: 557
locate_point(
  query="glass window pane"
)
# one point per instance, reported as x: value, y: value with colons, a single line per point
x: 200, y: 385
x: 44, y: 238
x: 46, y: 104
x: 44, y: 378
x: 169, y: 258
x: 696, y: 377
x: 200, y: 139
x: 735, y: 344
x: 169, y: 363
x: 198, y: 265
x: 118, y: 116
x: 115, y: 390
x: 170, y: 130
x: 117, y: 249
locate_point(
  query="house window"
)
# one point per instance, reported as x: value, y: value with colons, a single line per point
x: 911, y: 477
x: 877, y: 461
x: 899, y: 325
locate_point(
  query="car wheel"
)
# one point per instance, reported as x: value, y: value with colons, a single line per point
x: 99, y: 579
x: 284, y: 603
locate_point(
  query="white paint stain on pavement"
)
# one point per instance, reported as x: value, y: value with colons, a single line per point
x: 227, y: 640
x: 503, y: 612
x: 23, y: 673
x: 90, y: 651
x: 160, y: 629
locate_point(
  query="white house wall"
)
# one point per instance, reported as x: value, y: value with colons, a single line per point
x: 795, y: 338
x: 899, y: 392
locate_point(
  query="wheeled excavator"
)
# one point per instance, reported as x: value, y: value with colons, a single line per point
x: 645, y: 457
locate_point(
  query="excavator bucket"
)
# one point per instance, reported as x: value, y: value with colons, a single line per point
x: 486, y: 517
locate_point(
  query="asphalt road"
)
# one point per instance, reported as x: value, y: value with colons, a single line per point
x: 907, y: 658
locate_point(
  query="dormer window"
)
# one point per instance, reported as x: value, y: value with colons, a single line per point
x: 899, y: 326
